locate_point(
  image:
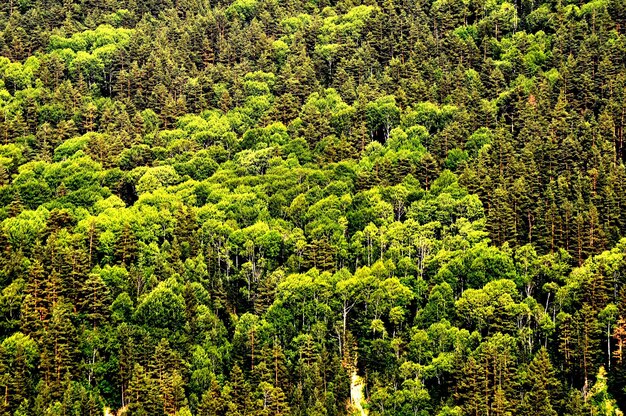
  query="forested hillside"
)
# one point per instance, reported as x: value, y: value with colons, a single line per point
x: 215, y: 207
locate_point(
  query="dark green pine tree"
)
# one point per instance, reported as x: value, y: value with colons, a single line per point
x: 278, y: 365
x: 5, y: 382
x: 166, y: 365
x: 173, y: 392
x: 502, y: 216
x: 588, y: 342
x: 266, y: 291
x: 60, y: 347
x: 58, y: 220
x: 126, y: 247
x: 78, y: 400
x: 143, y: 394
x: 470, y: 390
x: 427, y: 170
x: 21, y: 382
x: 191, y: 311
x: 77, y: 267
x: 212, y: 403
x: 126, y: 361
x: 544, y: 389
x: 94, y: 300
x: 278, y: 403
x: 567, y: 344
x: 16, y: 206
x: 186, y: 226
x: 35, y: 308
x: 239, y: 402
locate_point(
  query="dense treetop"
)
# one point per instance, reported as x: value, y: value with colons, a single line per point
x: 245, y: 207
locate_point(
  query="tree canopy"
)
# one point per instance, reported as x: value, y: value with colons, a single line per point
x: 264, y: 208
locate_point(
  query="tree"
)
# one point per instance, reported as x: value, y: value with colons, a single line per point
x: 543, y: 395
x: 382, y: 116
x: 440, y: 304
x: 126, y: 247
x: 143, y: 396
x: 20, y: 355
x: 599, y: 397
x: 232, y: 207
x: 58, y: 358
x: 470, y: 394
x: 239, y: 402
x: 162, y: 307
x: 94, y: 299
x: 212, y: 403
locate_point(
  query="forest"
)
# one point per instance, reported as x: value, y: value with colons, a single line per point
x: 312, y: 207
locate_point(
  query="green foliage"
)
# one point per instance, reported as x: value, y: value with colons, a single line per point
x: 162, y: 308
x: 259, y: 207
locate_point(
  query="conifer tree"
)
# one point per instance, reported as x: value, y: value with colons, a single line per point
x: 544, y: 388
x: 143, y: 396
x: 212, y: 403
